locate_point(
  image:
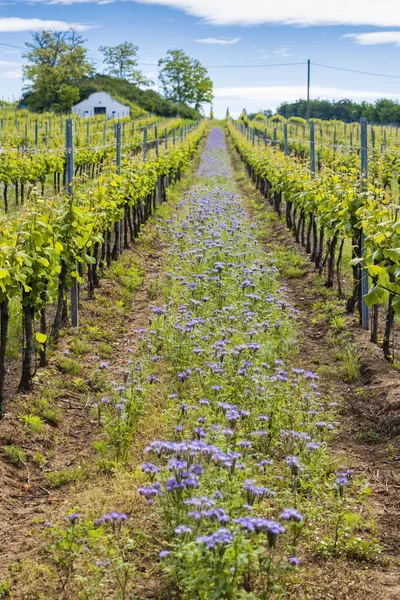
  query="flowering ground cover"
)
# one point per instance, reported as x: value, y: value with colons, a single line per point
x: 243, y: 488
x: 245, y: 482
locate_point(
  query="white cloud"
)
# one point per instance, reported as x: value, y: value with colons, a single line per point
x: 11, y: 75
x: 14, y: 24
x: 218, y: 41
x: 385, y: 13
x: 375, y: 38
x: 282, y: 52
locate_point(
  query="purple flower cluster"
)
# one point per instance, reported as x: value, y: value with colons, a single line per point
x: 218, y: 539
x: 114, y: 519
x: 261, y: 525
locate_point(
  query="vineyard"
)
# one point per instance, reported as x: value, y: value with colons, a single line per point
x: 200, y: 321
x: 50, y: 243
x: 340, y: 192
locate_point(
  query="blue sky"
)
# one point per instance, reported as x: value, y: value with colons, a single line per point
x: 355, y: 34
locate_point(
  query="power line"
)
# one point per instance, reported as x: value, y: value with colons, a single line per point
x: 237, y: 66
x: 262, y: 66
x: 253, y: 66
x: 11, y: 46
x: 355, y: 71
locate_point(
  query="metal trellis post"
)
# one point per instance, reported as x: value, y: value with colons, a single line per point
x: 285, y: 140
x: 156, y: 138
x: 145, y: 144
x: 364, y: 184
x: 36, y: 135
x: 70, y: 170
x: 118, y: 165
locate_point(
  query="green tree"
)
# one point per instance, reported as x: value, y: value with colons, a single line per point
x: 184, y: 80
x: 201, y: 84
x: 122, y: 62
x: 382, y: 111
x: 57, y: 60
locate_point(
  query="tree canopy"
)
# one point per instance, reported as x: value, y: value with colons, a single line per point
x: 57, y: 60
x: 381, y: 111
x: 121, y: 61
x: 184, y: 79
x: 58, y: 74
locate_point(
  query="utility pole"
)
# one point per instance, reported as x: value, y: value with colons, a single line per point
x: 308, y: 87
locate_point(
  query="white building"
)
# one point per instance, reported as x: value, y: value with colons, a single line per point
x: 101, y: 103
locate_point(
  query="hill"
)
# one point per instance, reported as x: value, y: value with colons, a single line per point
x: 137, y: 99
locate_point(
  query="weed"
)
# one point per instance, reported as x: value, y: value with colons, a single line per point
x: 81, y: 385
x: 47, y: 413
x: 5, y: 588
x: 370, y: 436
x: 391, y: 451
x: 294, y: 272
x: 97, y: 382
x: 361, y: 393
x: 126, y: 301
x: 33, y: 423
x: 56, y: 479
x: 52, y: 416
x: 79, y: 347
x: 338, y: 323
x: 153, y: 289
x: 105, y: 350
x: 129, y: 274
x: 16, y: 456
x: 68, y: 365
x: 39, y: 459
x: 93, y: 332
x: 350, y: 364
